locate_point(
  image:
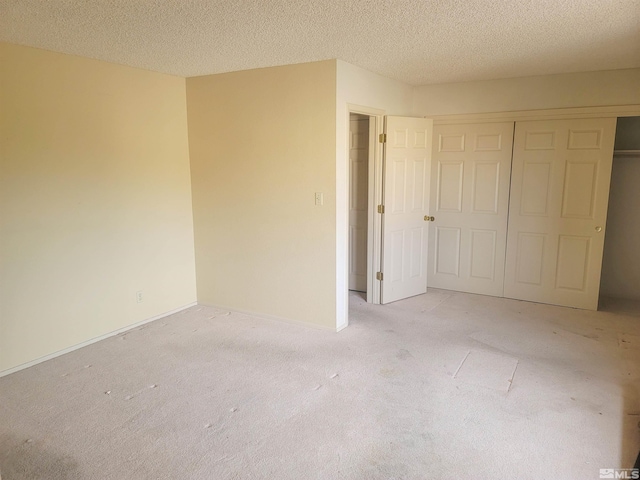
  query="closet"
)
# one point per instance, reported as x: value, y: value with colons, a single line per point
x: 621, y: 263
x: 520, y: 208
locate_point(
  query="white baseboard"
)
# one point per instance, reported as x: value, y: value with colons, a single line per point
x: 273, y: 317
x: 93, y: 340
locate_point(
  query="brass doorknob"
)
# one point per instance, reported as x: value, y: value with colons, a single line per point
x: 598, y: 229
x: 427, y: 218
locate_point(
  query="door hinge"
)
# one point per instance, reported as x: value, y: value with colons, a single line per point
x: 379, y: 276
x: 380, y: 208
x: 383, y: 138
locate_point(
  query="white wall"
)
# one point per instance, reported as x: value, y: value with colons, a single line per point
x: 604, y: 88
x: 621, y: 262
x: 356, y: 86
x: 95, y: 200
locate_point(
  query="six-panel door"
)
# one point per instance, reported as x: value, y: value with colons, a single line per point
x: 557, y: 204
x: 406, y: 201
x: 561, y: 172
x: 471, y: 168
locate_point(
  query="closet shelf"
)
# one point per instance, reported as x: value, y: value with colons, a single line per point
x: 626, y: 153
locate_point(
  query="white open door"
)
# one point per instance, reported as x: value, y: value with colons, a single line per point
x: 406, y: 180
x: 558, y: 210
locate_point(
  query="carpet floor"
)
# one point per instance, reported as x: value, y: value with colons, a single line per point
x: 443, y: 385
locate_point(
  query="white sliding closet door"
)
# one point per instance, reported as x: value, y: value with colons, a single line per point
x: 559, y: 194
x: 471, y: 169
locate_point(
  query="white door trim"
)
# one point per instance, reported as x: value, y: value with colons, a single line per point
x: 374, y: 229
x: 548, y: 114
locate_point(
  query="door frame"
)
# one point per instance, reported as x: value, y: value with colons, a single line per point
x: 374, y: 197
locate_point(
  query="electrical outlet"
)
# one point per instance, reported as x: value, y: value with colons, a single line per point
x: 319, y: 198
x: 139, y: 298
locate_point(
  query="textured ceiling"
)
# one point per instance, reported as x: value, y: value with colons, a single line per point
x: 416, y: 41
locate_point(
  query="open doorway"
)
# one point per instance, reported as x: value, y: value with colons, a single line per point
x: 364, y: 194
x: 358, y: 201
x: 407, y: 169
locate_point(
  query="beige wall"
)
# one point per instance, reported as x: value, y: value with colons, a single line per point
x: 262, y: 142
x: 95, y: 200
x: 615, y: 87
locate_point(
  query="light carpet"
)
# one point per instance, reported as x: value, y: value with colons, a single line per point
x: 443, y: 385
